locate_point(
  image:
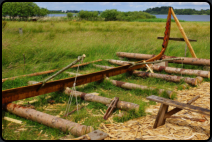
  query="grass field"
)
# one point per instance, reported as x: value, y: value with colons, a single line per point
x: 55, y: 44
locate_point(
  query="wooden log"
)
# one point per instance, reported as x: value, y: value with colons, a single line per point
x: 183, y: 34
x: 46, y: 72
x: 49, y: 120
x: 201, y: 73
x: 187, y: 60
x: 127, y: 85
x: 72, y: 73
x: 102, y: 67
x: 93, y: 98
x: 173, y: 78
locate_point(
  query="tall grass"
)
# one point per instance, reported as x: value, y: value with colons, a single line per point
x: 54, y: 44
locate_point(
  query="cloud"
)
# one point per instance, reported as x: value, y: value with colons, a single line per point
x: 104, y: 3
x: 116, y: 3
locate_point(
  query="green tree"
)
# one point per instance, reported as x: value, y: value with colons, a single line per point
x: 110, y: 15
x: 69, y: 15
x: 22, y: 9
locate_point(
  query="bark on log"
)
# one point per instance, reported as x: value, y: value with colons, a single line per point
x: 173, y: 78
x: 72, y: 73
x: 102, y: 67
x: 127, y: 85
x: 50, y: 71
x: 93, y: 98
x: 49, y: 120
x: 201, y: 73
x: 187, y: 60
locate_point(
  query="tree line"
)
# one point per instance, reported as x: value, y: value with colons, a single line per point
x: 114, y: 15
x: 23, y: 10
x: 164, y: 10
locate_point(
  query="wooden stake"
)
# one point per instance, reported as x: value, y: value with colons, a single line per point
x: 183, y: 34
x: 149, y: 69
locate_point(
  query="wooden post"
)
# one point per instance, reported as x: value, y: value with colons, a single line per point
x: 160, y: 119
x: 20, y: 31
x: 183, y: 34
x: 185, y: 50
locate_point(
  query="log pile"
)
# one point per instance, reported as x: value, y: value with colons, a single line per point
x: 181, y: 71
x: 187, y: 60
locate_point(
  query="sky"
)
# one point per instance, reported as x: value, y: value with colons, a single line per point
x: 120, y: 6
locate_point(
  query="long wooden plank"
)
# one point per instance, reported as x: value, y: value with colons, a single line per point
x: 179, y: 105
x: 175, y: 110
x: 19, y: 93
x: 50, y: 71
x: 177, y: 39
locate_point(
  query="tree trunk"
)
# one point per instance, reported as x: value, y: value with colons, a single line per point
x: 187, y: 60
x: 49, y: 120
x: 93, y: 98
x: 201, y: 73
x: 127, y: 85
x: 173, y: 78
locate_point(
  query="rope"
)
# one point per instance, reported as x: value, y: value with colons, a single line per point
x: 74, y: 90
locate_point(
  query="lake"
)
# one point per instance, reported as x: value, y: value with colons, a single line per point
x: 188, y: 17
x: 180, y: 17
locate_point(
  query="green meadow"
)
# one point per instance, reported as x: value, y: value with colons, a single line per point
x: 55, y: 44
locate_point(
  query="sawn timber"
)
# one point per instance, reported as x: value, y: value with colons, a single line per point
x: 19, y: 93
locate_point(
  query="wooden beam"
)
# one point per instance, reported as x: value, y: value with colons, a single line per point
x: 184, y: 35
x: 179, y: 105
x: 178, y: 39
x: 19, y: 93
x: 175, y: 110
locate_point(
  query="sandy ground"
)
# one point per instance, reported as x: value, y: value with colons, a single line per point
x: 188, y: 126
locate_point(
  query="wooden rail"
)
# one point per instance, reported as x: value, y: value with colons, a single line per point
x: 19, y: 93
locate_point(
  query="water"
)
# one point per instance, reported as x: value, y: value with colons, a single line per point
x: 58, y: 15
x: 188, y: 17
x: 180, y: 17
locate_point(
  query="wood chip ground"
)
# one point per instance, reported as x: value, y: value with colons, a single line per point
x: 174, y: 128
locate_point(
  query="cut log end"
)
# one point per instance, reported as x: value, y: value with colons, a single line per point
x: 199, y: 79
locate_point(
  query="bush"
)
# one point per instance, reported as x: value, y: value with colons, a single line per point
x: 4, y: 23
x: 88, y: 15
x: 110, y: 15
x: 69, y: 15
